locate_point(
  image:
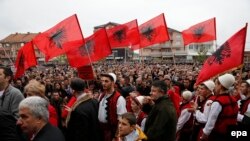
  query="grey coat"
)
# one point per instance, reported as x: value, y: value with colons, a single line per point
x: 10, y: 100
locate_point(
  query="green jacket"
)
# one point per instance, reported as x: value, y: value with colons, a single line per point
x: 161, y: 121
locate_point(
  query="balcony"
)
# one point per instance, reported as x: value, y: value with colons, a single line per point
x: 152, y: 54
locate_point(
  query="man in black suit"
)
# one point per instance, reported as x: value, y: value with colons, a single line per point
x: 8, y: 128
x: 82, y: 121
x: 33, y: 120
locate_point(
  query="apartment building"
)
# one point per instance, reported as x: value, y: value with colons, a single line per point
x: 10, y: 45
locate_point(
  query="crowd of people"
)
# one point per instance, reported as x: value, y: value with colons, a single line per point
x: 125, y: 102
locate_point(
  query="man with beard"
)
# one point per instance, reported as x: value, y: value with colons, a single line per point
x: 111, y: 106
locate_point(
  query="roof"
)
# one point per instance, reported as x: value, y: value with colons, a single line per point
x: 173, y: 30
x: 19, y: 38
x: 105, y: 25
x: 115, y: 24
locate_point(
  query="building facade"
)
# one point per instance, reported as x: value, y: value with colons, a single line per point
x: 10, y: 46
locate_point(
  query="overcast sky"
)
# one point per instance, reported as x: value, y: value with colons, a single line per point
x: 39, y: 15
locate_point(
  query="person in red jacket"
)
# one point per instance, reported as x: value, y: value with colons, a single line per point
x: 223, y: 112
x: 243, y: 117
x: 136, y: 105
x: 185, y: 121
x: 35, y: 88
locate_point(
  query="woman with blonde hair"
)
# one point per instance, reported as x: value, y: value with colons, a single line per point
x: 35, y: 88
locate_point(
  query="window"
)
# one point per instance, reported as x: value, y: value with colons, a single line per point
x: 196, y: 47
x: 177, y: 43
x: 178, y: 36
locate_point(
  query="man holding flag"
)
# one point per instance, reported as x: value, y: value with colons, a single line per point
x: 224, y: 110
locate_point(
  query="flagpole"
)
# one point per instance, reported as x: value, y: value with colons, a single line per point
x: 139, y: 55
x: 85, y: 44
x: 125, y: 57
x: 215, y: 45
x: 142, y: 56
x: 173, y: 56
x: 8, y: 56
x: 84, y: 41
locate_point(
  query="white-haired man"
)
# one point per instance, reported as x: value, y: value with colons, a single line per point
x: 34, y: 120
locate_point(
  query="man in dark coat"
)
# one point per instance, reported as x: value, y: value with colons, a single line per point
x: 8, y: 128
x: 34, y: 120
x: 82, y: 121
x: 161, y: 121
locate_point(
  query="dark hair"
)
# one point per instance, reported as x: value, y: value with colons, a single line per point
x: 161, y: 85
x: 130, y: 117
x: 244, y: 81
x: 7, y: 72
x: 77, y: 84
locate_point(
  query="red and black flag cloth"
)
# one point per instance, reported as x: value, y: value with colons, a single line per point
x: 228, y: 56
x: 86, y: 72
x: 201, y: 32
x: 96, y: 48
x: 26, y: 58
x: 60, y: 38
x: 152, y: 32
x: 124, y: 35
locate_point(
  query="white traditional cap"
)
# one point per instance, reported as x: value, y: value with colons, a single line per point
x: 227, y: 80
x: 110, y: 75
x: 187, y: 95
x: 209, y: 84
x: 248, y: 81
x: 140, y: 99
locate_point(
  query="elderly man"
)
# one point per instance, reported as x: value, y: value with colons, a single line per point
x: 34, y: 116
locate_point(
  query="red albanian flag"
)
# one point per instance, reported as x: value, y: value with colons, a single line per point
x: 124, y: 35
x: 201, y: 32
x: 26, y: 58
x: 153, y: 31
x: 60, y: 38
x: 228, y: 56
x: 97, y: 47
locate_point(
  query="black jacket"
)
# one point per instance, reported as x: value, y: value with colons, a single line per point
x: 83, y: 124
x: 8, y: 128
x: 49, y: 133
